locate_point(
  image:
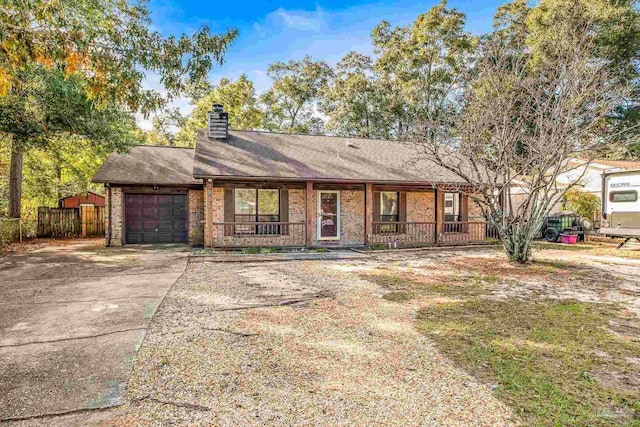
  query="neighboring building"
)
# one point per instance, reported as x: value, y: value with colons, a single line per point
x: 621, y: 207
x: 250, y: 188
x: 589, y: 178
x: 88, y: 199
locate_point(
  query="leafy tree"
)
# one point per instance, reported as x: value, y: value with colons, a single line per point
x: 421, y: 69
x: 615, y: 37
x: 616, y: 40
x: 5, y: 155
x: 289, y: 104
x: 110, y: 42
x: 197, y: 90
x: 510, y: 24
x: 239, y: 100
x: 352, y: 101
x: 64, y: 168
x: 583, y: 203
x: 526, y: 114
x: 166, y: 123
x: 48, y: 103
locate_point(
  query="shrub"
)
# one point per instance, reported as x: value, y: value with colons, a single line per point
x: 379, y: 247
x: 10, y: 230
x: 584, y: 204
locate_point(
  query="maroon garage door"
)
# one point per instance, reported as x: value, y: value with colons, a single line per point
x: 156, y: 218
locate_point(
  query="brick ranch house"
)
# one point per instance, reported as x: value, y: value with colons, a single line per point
x: 251, y: 188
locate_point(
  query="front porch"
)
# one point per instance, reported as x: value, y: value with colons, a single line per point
x: 321, y: 214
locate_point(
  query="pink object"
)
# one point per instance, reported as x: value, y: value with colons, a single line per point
x: 570, y: 239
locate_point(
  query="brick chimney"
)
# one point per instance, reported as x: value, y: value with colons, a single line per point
x: 218, y: 122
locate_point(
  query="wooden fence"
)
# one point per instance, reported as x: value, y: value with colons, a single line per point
x: 92, y: 218
x: 71, y: 222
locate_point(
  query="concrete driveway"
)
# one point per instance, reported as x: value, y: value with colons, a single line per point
x: 72, y: 318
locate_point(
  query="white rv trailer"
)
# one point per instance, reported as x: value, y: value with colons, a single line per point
x: 620, y: 203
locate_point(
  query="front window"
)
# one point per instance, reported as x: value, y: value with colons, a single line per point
x: 268, y: 205
x: 253, y: 205
x: 389, y: 211
x: 452, y: 207
x: 389, y: 206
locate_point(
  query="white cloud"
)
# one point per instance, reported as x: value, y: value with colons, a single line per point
x: 300, y: 19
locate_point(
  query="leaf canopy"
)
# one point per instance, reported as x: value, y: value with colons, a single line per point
x: 110, y: 42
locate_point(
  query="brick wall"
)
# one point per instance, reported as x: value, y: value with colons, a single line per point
x: 196, y: 217
x: 351, y: 217
x: 297, y: 206
x: 294, y: 236
x: 421, y: 206
x: 217, y: 203
x: 115, y: 222
x: 475, y: 212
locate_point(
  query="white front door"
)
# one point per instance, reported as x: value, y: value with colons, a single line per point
x: 328, y: 215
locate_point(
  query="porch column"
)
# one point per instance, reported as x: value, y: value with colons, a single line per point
x: 439, y: 213
x: 464, y: 207
x: 208, y: 213
x: 308, y: 209
x: 368, y: 212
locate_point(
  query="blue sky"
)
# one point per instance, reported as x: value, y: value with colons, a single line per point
x: 279, y: 31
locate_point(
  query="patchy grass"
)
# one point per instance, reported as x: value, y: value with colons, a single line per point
x: 400, y: 296
x: 613, y: 252
x: 407, y: 287
x: 555, y: 362
x: 379, y: 247
x: 557, y: 264
x: 544, y: 357
x: 205, y: 251
x: 563, y: 247
x: 250, y: 251
x: 255, y: 251
x: 594, y: 248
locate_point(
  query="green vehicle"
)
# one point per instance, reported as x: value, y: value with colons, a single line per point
x: 565, y: 223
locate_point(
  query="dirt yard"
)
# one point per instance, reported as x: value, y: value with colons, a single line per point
x: 295, y: 343
x: 437, y: 337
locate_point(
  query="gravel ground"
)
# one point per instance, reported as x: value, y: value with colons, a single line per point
x: 295, y: 343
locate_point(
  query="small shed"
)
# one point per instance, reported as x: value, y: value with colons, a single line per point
x: 75, y: 201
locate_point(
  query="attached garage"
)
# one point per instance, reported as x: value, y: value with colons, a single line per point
x: 152, y: 197
x: 156, y: 218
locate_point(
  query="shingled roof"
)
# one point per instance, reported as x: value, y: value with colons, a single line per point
x: 622, y: 164
x: 149, y: 165
x: 254, y: 154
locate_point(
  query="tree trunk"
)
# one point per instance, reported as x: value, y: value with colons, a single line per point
x: 518, y: 249
x: 58, y: 177
x: 517, y: 235
x: 518, y: 238
x: 15, y: 182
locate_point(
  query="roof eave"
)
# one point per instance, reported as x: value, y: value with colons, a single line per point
x: 174, y: 184
x: 325, y: 180
x: 612, y: 171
